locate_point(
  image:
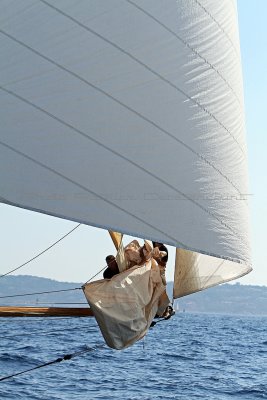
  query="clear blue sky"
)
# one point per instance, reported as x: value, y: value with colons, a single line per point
x: 253, y: 40
x: 79, y: 256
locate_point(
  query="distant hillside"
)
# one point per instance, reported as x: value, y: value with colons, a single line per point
x: 230, y: 299
x: 11, y: 285
x: 233, y: 299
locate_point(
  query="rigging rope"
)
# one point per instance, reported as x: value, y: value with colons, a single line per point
x: 171, y: 313
x: 32, y: 294
x: 96, y: 274
x: 58, y: 360
x: 51, y: 291
x: 42, y: 252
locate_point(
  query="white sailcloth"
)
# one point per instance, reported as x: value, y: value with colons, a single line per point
x: 195, y: 271
x: 128, y: 115
x: 125, y: 305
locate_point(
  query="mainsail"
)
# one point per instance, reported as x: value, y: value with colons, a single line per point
x: 128, y: 115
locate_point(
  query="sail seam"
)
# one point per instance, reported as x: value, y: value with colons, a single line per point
x: 123, y: 157
x: 189, y: 47
x: 115, y: 100
x: 86, y: 189
x: 149, y: 69
x: 132, y: 233
x: 219, y: 25
x: 99, y: 196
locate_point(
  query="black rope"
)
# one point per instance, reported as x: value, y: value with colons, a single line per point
x: 32, y: 294
x: 52, y: 291
x: 58, y: 360
x: 42, y: 252
x: 96, y: 274
x: 171, y: 314
x: 153, y: 323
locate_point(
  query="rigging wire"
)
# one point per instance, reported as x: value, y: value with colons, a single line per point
x: 95, y: 274
x: 58, y: 360
x: 52, y: 291
x: 32, y: 294
x: 42, y: 252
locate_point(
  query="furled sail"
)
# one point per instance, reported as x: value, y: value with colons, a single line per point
x: 128, y: 115
x: 126, y: 305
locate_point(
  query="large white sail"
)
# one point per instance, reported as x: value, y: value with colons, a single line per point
x: 128, y: 115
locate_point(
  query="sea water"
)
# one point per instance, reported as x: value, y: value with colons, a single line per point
x: 191, y: 356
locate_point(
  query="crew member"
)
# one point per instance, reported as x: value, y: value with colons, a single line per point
x: 112, y: 268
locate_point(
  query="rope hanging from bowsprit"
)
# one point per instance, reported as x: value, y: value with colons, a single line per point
x: 58, y: 360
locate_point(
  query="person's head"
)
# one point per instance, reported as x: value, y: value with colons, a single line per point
x: 111, y: 261
x: 157, y: 244
x: 162, y: 247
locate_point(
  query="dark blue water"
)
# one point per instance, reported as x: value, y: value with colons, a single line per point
x: 192, y: 356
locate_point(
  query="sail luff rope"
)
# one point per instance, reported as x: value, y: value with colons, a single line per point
x: 58, y: 360
x: 42, y: 252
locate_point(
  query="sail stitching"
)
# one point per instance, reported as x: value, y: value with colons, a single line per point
x: 219, y: 25
x: 189, y: 47
x: 196, y: 102
x: 103, y: 198
x: 110, y: 150
x: 117, y: 101
x: 88, y: 190
x: 132, y: 233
